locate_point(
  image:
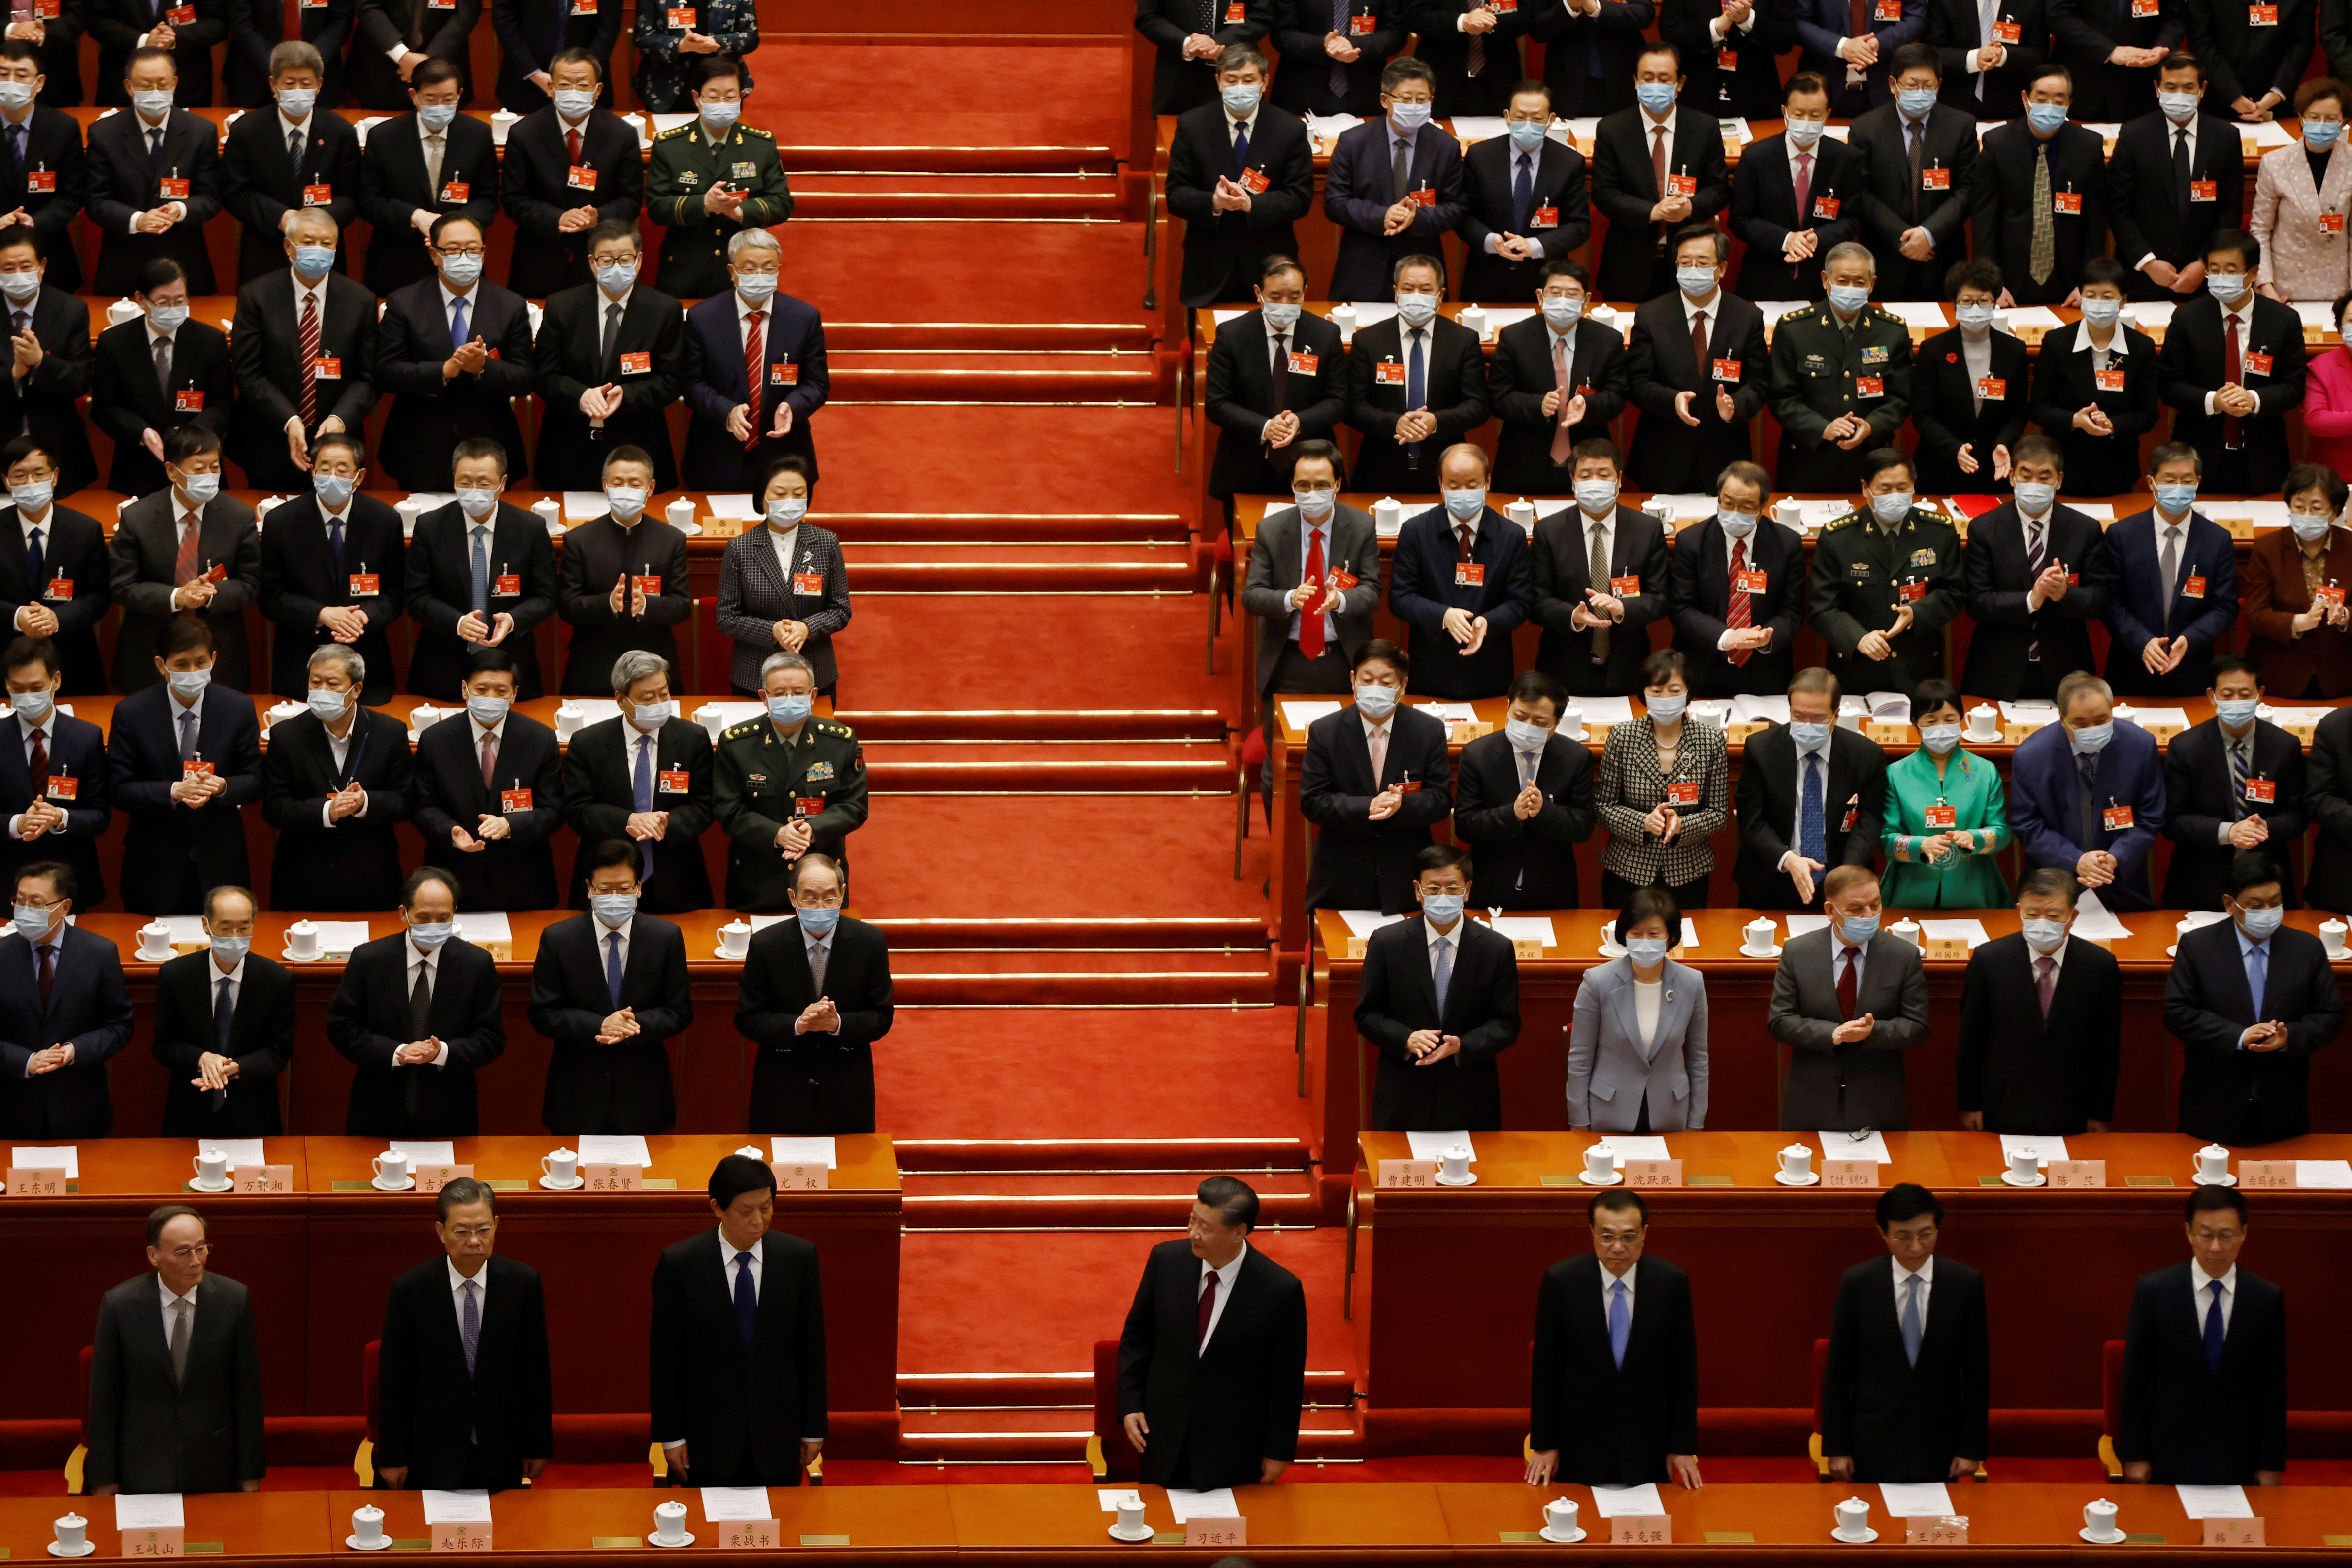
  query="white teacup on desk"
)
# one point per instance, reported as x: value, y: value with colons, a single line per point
x: 367, y: 1529
x: 155, y: 941
x: 212, y: 1170
x: 735, y: 939
x: 1797, y: 1164
x: 1559, y: 1520
x: 2213, y: 1166
x: 561, y: 1169
x: 670, y: 1524
x: 2099, y: 1517
x: 391, y: 1168
x: 73, y: 1536
x: 1600, y: 1163
x: 2332, y: 932
x: 303, y: 940
x: 2024, y: 1168
x: 1984, y: 723
x: 1758, y: 937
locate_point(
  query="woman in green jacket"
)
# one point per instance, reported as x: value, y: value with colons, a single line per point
x: 1946, y: 817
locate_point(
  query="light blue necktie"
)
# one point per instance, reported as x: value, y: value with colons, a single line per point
x: 481, y: 572
x: 2258, y: 973
x: 1911, y: 1324
x: 1809, y: 813
x: 470, y: 1324
x: 612, y: 967
x: 1445, y: 977
x: 1621, y: 1323
x: 642, y: 793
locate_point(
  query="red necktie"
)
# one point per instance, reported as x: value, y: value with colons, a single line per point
x: 37, y: 765
x: 1736, y: 618
x: 309, y: 360
x: 1860, y: 20
x: 571, y: 146
x: 1845, y: 981
x: 183, y: 569
x: 49, y: 977
x: 290, y: 21
x: 1208, y: 1284
x: 1804, y: 184
x: 2232, y: 369
x: 1462, y: 534
x: 752, y: 351
x: 1310, y: 618
x: 490, y: 757
x: 1699, y: 344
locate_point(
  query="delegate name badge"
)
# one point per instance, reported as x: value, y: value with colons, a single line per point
x: 1940, y: 815
x: 2331, y: 222
x: 1749, y: 582
x: 508, y: 585
x: 456, y: 190
x: 41, y: 180
x: 1853, y: 814
x: 784, y: 375
x: 1625, y: 587
x: 2257, y: 364
x: 2204, y: 190
x: 808, y: 805
x: 59, y: 588
x: 1992, y: 388
x: 1887, y: 11
x: 809, y: 585
x: 1726, y: 59
x: 2143, y: 9
x: 2192, y: 587
x: 1685, y: 184
x: 1910, y: 592
x: 63, y: 786
x: 46, y: 10
x: 580, y: 178
x: 1934, y: 179
x: 1360, y: 26
x: 2006, y: 32
x: 637, y: 364
x: 2262, y: 16
x: 672, y: 780
x: 1683, y: 792
x: 187, y: 400
x: 1728, y: 370
x: 2108, y: 380
x: 1426, y: 196
x: 1544, y: 218
x: 195, y: 768
x: 681, y: 16
x: 2263, y: 789
x: 583, y: 7
x: 1254, y: 179
x: 172, y: 190
x: 648, y: 583
x: 514, y: 800
x: 2116, y: 818
x: 318, y: 195
x: 181, y: 16
x: 1237, y: 11
x: 365, y: 585
x: 1304, y: 364
x: 1825, y: 207
x: 1869, y: 386
x: 1469, y: 574
x: 2067, y: 203
x: 327, y: 367
x: 1389, y: 373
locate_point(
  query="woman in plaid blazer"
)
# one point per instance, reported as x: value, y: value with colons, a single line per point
x: 1665, y: 790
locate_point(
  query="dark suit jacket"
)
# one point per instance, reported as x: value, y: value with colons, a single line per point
x: 256, y: 26
x: 2236, y: 1096
x: 754, y: 593
x: 1223, y: 249
x: 429, y: 416
x: 1523, y: 863
x: 600, y: 793
x: 369, y: 1020
x: 354, y: 864
x: 1518, y: 379
x: 2030, y: 1074
x: 1698, y: 577
x: 741, y: 1409
x: 2199, y: 800
x: 1422, y: 588
x: 61, y: 57
x: 44, y: 404
x: 443, y: 28
x: 1241, y: 400
x: 2000, y: 583
x: 815, y: 1083
x: 1360, y: 864
x: 2063, y: 384
x: 126, y: 399
x: 567, y: 360
x: 1633, y: 263
x: 73, y: 547
x: 1651, y: 1402
x: 1489, y: 173
x: 261, y: 1041
x: 1563, y: 572
x: 2330, y: 784
x: 2193, y: 1424
x: 394, y: 187
x: 2244, y: 60
x: 76, y: 750
x: 1589, y: 60
x: 164, y: 838
x: 259, y: 187
x: 124, y: 181
x: 2151, y: 217
x: 1482, y: 1007
x: 624, y: 1087
x: 1446, y: 48
x: 1898, y: 1421
x: 153, y: 1431
x: 440, y: 584
x: 144, y: 548
x: 1955, y: 32
x: 594, y: 556
x: 2045, y: 807
x: 1820, y: 24
x: 2002, y: 211
x: 1228, y: 1406
x: 300, y: 577
x: 2189, y: 365
x: 2087, y: 31
x: 1891, y: 206
x: 53, y: 145
x: 266, y: 352
x: 430, y: 1410
x: 533, y: 32
x: 1303, y: 85
x: 1179, y: 83
x: 1666, y: 452
x: 1948, y: 417
x: 1753, y: 89
x: 88, y: 1006
x: 536, y: 191
x: 793, y: 334
x: 1351, y: 544
x: 1854, y: 806
x: 118, y: 24
x: 1358, y: 188
x: 1456, y: 393
x: 1764, y: 214
x: 517, y: 872
x: 2137, y: 610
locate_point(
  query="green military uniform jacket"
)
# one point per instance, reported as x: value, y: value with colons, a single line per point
x: 1862, y: 573
x: 1964, y: 878
x: 661, y: 67
x: 686, y: 167
x: 1821, y: 372
x: 760, y: 782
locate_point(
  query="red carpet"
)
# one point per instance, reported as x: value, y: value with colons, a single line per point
x: 970, y: 95
x: 993, y: 458
x: 922, y: 270
x: 1060, y: 855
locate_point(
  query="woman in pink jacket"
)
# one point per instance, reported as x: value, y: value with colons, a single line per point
x: 2327, y: 401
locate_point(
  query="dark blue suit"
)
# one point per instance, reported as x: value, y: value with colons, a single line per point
x: 172, y: 852
x: 1422, y: 588
x: 1822, y: 22
x: 76, y: 750
x: 1360, y: 187
x: 2045, y: 806
x: 89, y: 1007
x: 793, y: 334
x: 2137, y: 610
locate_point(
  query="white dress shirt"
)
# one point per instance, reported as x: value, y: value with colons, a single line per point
x: 1248, y: 123
x: 430, y: 963
x: 2118, y: 346
x: 1609, y: 1283
x: 1691, y: 308
x: 304, y: 289
x: 1927, y: 1276
x: 605, y: 936
x: 170, y: 1301
x: 1976, y: 356
x: 1439, y: 940
x: 2244, y: 311
x: 497, y: 734
x: 767, y: 308
x: 481, y: 1284
x: 2201, y: 1286
x: 2056, y: 955
x: 783, y: 543
x: 473, y: 298
x: 1225, y: 1278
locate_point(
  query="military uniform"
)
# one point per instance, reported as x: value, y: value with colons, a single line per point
x: 1862, y: 573
x: 660, y: 74
x: 762, y: 780
x: 685, y: 167
x: 1821, y: 371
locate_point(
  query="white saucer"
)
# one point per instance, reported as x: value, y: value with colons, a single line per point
x: 2224, y: 1180
x: 406, y: 1184
x: 1143, y: 1532
x: 1469, y: 1179
x: 1811, y: 1178
x: 288, y: 955
x: 1560, y: 1540
x: 553, y: 1185
x: 1864, y: 1538
x: 1590, y: 1180
x: 2172, y: 952
x: 1772, y: 952
x: 199, y: 1187
x: 1582, y: 735
x: 2101, y: 1539
x: 164, y: 957
x: 685, y: 1538
x: 2036, y: 1179
x: 1611, y: 950
x: 383, y: 1542
x: 724, y: 956
x: 87, y: 1546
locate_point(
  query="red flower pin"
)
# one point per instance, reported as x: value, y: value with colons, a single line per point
x: 1951, y: 359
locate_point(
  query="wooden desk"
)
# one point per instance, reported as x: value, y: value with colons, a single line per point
x: 1764, y: 1261
x: 904, y: 1522
x: 277, y: 1526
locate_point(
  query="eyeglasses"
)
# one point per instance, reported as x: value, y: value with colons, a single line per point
x: 195, y: 1254
x: 462, y: 250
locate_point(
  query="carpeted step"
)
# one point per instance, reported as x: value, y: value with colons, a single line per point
x: 812, y: 162
x: 935, y: 528
x: 864, y: 272
x: 927, y: 752
x: 1135, y: 649
x: 1230, y: 1155
x: 986, y: 377
x: 989, y: 1390
x: 986, y: 555
x: 874, y: 90
x: 1035, y: 723
x: 994, y: 580
x: 1133, y: 335
x: 837, y: 194
x: 1148, y: 934
x: 1096, y: 988
x: 1004, y: 457
x: 945, y: 856
x: 1083, y: 1211
x: 1033, y: 773
x: 1246, y: 972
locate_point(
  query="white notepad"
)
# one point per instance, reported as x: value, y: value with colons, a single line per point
x: 1856, y: 1146
x: 1433, y: 1145
x: 1623, y: 1503
x: 722, y: 1503
x: 1217, y: 1503
x: 67, y: 1157
x: 621, y: 1149
x: 469, y: 1507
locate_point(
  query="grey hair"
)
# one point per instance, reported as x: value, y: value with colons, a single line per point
x: 634, y: 666
x: 294, y: 54
x: 2077, y: 683
x: 754, y: 239
x: 1850, y: 250
x: 784, y: 660
x: 354, y: 666
x: 1235, y: 57
x: 315, y: 217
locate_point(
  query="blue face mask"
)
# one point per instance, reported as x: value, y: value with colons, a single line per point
x: 1416, y: 307
x: 653, y: 715
x: 1281, y: 315
x: 296, y: 102
x: 615, y: 909
x: 1694, y: 282
x: 334, y: 490
x: 1892, y: 507
x: 572, y: 103
x: 1974, y: 318
x: 1527, y: 135
x: 201, y: 487
x: 1410, y: 116
x: 1466, y: 504
x: 1560, y: 312
x: 33, y: 497
x: 1241, y: 101
x: 168, y: 317
x: 31, y: 706
x: 1657, y: 97
x: 2093, y: 740
x: 1810, y: 737
x: 2319, y: 135
x: 1848, y: 298
x: 313, y: 261
x: 19, y: 286
x: 818, y: 921
x: 1858, y: 928
x: 618, y: 278
x: 32, y: 924
x: 1376, y: 703
x: 2177, y: 106
x: 2237, y: 713
x: 2043, y: 936
x: 2261, y: 925
x: 1915, y: 101
x: 1664, y: 708
x: 1440, y: 909
x: 431, y: 934
x: 16, y: 97
x: 232, y: 948
x: 2176, y: 499
x: 438, y: 117
x: 1646, y: 952
x: 153, y: 105
x: 1939, y: 738
x: 189, y: 682
x: 2034, y: 500
x: 1523, y: 736
x: 1803, y: 133
x: 463, y: 270
x: 328, y: 705
x: 2103, y: 313
x: 477, y: 503
x: 1596, y: 496
x: 789, y: 711
x: 720, y: 115
x: 2306, y: 526
x: 626, y: 501
x: 1314, y: 503
x: 786, y: 511
x: 1734, y: 524
x: 487, y: 711
x: 2046, y: 118
x: 2226, y: 287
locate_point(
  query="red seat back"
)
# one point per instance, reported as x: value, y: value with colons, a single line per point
x: 367, y: 1383
x: 1120, y: 1461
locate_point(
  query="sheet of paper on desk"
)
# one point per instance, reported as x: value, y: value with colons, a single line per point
x: 1835, y: 132
x: 2323, y: 1173
x: 1501, y: 316
x: 1364, y: 922
x: 1222, y: 317
x: 2104, y: 129
x: 722, y: 1503
x: 1638, y: 1146
x: 1331, y: 127
x: 1775, y: 308
x: 149, y: 1510
x: 1971, y: 932
x: 1216, y: 1503
x: 426, y: 1151
x: 66, y: 1159
x: 240, y: 1151
x: 1606, y: 709
x: 2285, y: 716
x: 731, y: 714
x: 1109, y: 1497
x: 1803, y: 924
x: 2145, y: 717
x: 672, y: 121
x: 1737, y: 129
x: 1856, y: 1146
x: 1552, y: 506
x: 2094, y: 923
x: 479, y: 926
x: 2270, y: 134
x: 186, y: 928
x: 1628, y: 1502
x: 579, y: 506
x: 2040, y: 316
x: 1370, y: 313
x: 2154, y: 313
x: 1919, y: 313
x: 737, y: 504
x: 621, y: 1149
x: 2045, y: 1149
x: 1909, y: 1500
x: 1433, y: 1145
x: 1692, y: 505
x: 1469, y: 128
x: 2215, y: 1502
x: 1451, y: 712
x: 339, y: 937
x: 471, y: 1506
x: 2197, y: 920
x: 2099, y: 512
x: 1582, y: 129
x: 801, y: 1151
x: 1759, y: 710
x: 762, y: 922
x: 1525, y: 928
x: 2028, y: 712
x: 593, y: 709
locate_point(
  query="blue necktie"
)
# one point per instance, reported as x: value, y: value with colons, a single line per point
x: 1444, y: 978
x: 2213, y: 1328
x: 1417, y: 390
x: 1811, y: 837
x: 747, y: 1300
x: 37, y: 571
x: 640, y: 791
x: 612, y: 967
x: 1621, y: 1324
x: 2258, y: 973
x: 1912, y: 1327
x: 1523, y: 191
x: 1241, y: 145
x: 457, y: 324
x: 17, y: 146
x: 470, y: 1325
x: 481, y: 606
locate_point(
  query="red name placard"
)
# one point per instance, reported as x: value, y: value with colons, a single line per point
x: 604, y: 1177
x: 1224, y: 1534
x: 1642, y: 1530
x: 1849, y: 1173
x: 433, y: 1178
x: 748, y: 1535
x: 1654, y: 1172
x: 158, y: 1541
x: 262, y: 1179
x: 2077, y: 1173
x: 461, y: 1536
x: 1408, y: 1173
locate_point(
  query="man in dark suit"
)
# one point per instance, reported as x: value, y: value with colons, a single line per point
x: 257, y: 27
x: 185, y: 548
x: 429, y: 164
x: 1310, y: 627
x: 1523, y: 794
x: 2232, y: 784
x: 1238, y: 177
x: 2041, y: 1021
x: 53, y: 774
x: 2086, y: 794
x: 2035, y: 582
x: 2329, y: 785
x: 1614, y: 1329
x: 2175, y: 178
x: 49, y: 179
x: 1590, y: 50
x: 1334, y: 67
x: 642, y: 776
x: 2115, y: 51
x: 533, y: 38
x: 737, y: 1354
x: 1918, y: 154
x: 224, y: 1028
x: 1440, y: 1002
x: 157, y: 374
x: 264, y: 183
x: 1852, y: 51
x: 154, y: 179
x: 733, y: 435
x: 386, y: 34
x: 332, y: 572
x: 814, y: 998
x: 1184, y: 76
x: 1648, y: 214
x: 418, y: 1014
x: 564, y: 177
x: 608, y: 363
x: 1276, y: 382
x: 175, y: 1398
x: 1473, y: 50
x: 1731, y: 51
x: 609, y: 988
x: 1599, y: 581
x: 52, y: 364
x: 1792, y: 830
x: 64, y: 1011
x: 335, y: 782
x: 1213, y: 1357
x: 2205, y: 1363
x: 1460, y: 580
x: 1524, y: 203
x: 2172, y: 582
x: 481, y: 571
x: 60, y: 584
x: 1697, y: 411
x: 490, y: 794
x: 2023, y: 160
x: 1415, y: 382
x: 1393, y: 187
x: 2249, y: 1000
x: 1990, y: 54
x: 2231, y: 371
x: 124, y: 28
x: 1556, y: 380
x: 1841, y: 379
x: 1785, y: 236
x: 1905, y: 1392
x: 455, y: 351
x: 184, y: 758
x: 463, y: 1394
x: 54, y: 57
x: 2095, y: 386
x: 2254, y: 66
x: 1376, y: 778
x: 1969, y: 386
x: 621, y: 582
x: 1847, y: 1001
x: 304, y: 349
x: 1735, y: 591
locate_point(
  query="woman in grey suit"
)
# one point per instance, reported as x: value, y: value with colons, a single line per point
x: 782, y: 584
x: 1637, y: 1053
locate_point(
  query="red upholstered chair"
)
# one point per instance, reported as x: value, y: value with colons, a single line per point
x: 2111, y: 1405
x: 74, y: 1460
x: 363, y: 1461
x: 1249, y: 758
x: 1813, y: 1443
x: 1109, y: 1453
